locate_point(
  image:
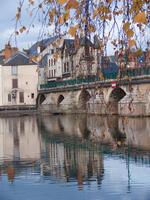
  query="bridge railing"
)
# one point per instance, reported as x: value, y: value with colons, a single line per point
x: 134, y: 72
x: 128, y: 72
x: 70, y: 82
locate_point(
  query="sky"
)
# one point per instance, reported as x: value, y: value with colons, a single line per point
x: 25, y: 40
x: 7, y: 26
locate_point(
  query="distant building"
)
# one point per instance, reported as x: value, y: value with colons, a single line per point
x: 18, y: 80
x: 36, y: 51
x: 50, y: 61
x: 67, y: 56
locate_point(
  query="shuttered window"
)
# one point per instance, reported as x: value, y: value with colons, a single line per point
x: 14, y: 83
x: 9, y: 97
x: 21, y: 97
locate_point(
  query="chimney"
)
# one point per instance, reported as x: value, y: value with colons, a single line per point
x: 9, y: 51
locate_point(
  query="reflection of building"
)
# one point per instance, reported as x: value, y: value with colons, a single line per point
x: 63, y: 152
x: 72, y: 163
x: 19, y: 139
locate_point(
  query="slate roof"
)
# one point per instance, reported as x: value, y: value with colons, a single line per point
x: 19, y: 58
x: 43, y: 61
x: 69, y: 43
x: 1, y: 59
x: 85, y: 41
x: 43, y: 43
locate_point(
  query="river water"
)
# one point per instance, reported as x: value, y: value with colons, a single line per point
x: 74, y: 157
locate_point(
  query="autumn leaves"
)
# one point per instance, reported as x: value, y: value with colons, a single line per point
x: 70, y: 17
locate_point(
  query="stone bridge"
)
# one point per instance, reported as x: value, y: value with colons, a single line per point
x: 128, y: 96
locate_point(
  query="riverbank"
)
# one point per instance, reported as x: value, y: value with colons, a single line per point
x: 21, y: 110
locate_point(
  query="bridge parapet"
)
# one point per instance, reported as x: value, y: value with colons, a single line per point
x: 126, y: 74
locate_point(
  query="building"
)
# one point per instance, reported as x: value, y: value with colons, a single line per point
x: 67, y: 56
x: 50, y: 63
x: 79, y: 58
x: 18, y: 80
x: 36, y: 51
x: 85, y: 59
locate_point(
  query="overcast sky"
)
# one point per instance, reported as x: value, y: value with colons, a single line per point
x: 7, y: 26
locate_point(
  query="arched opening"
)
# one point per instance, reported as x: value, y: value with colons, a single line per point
x: 40, y: 99
x: 116, y: 95
x: 83, y: 99
x: 60, y: 99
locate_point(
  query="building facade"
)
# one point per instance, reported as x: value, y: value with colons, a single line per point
x: 18, y: 81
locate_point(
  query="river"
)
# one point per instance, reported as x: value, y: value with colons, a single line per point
x: 74, y: 157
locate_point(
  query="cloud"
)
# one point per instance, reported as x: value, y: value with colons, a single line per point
x: 7, y: 26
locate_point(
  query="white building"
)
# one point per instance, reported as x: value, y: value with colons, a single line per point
x: 50, y: 62
x: 18, y: 81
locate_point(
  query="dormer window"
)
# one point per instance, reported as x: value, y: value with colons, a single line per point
x: 38, y: 49
x: 14, y: 70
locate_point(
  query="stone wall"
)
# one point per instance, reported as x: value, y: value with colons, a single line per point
x: 101, y: 101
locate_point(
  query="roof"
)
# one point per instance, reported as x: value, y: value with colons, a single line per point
x: 1, y: 59
x: 85, y: 41
x: 43, y: 61
x: 19, y: 58
x: 43, y: 43
x: 69, y: 43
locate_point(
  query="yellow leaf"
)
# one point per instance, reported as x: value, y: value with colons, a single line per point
x: 60, y: 20
x: 92, y: 28
x: 61, y: 1
x: 132, y: 43
x: 140, y: 18
x: 130, y: 33
x: 66, y: 15
x: 126, y: 26
x: 72, y: 4
x: 22, y: 29
x: 72, y: 31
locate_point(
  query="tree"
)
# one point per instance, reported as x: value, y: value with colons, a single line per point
x: 121, y: 22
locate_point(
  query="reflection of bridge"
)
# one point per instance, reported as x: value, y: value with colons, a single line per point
x: 127, y: 95
x: 112, y: 130
x: 62, y: 147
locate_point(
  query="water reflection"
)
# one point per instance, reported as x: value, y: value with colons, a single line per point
x: 72, y: 149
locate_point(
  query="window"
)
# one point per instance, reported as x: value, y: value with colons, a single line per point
x: 54, y: 61
x: 64, y: 67
x: 14, y: 83
x: 32, y: 95
x: 54, y: 72
x: 66, y: 53
x: 9, y: 97
x: 21, y: 97
x: 49, y: 62
x: 14, y: 70
x: 52, y: 51
x: 67, y: 67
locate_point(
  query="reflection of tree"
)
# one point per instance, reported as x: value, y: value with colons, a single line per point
x: 118, y: 136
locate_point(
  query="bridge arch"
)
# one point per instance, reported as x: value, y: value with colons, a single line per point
x: 60, y: 99
x: 40, y: 99
x: 114, y: 97
x: 83, y: 98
